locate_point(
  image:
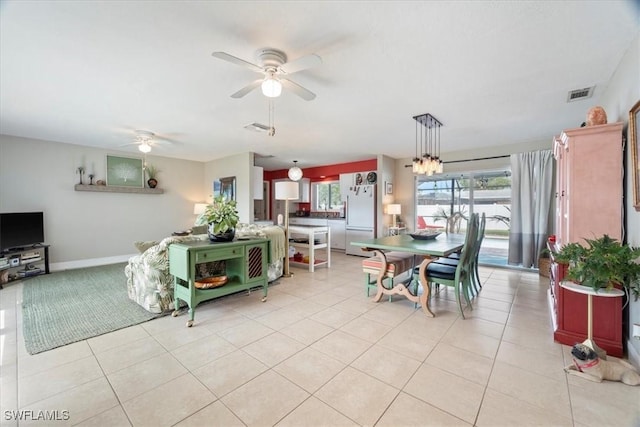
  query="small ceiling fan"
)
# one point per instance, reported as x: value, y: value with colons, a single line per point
x: 145, y: 140
x: 275, y: 68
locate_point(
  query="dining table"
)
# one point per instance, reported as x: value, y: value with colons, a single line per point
x: 430, y: 249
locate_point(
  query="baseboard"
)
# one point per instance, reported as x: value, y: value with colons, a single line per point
x: 633, y: 355
x: 92, y: 262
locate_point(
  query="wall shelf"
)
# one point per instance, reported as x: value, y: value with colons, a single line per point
x: 114, y: 189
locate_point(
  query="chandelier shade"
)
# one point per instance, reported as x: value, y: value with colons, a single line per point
x: 295, y: 173
x: 427, y: 160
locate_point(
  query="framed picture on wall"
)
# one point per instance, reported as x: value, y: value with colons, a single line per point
x: 388, y: 188
x: 124, y: 171
x: 634, y: 139
x: 226, y: 187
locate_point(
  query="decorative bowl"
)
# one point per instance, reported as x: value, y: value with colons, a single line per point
x: 425, y: 235
x: 211, y: 282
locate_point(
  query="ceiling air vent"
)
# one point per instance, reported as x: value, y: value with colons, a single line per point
x: 578, y: 94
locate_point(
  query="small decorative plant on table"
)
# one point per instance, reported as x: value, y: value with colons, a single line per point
x: 603, y: 263
x: 222, y: 217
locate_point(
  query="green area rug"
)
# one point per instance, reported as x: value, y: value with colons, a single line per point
x: 74, y: 305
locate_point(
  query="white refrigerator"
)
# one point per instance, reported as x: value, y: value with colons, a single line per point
x: 360, y: 217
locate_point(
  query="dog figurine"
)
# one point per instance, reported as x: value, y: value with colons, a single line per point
x: 588, y: 365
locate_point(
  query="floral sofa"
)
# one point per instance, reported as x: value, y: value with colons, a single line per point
x: 150, y: 284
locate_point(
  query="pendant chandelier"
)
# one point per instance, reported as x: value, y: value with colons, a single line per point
x: 295, y: 173
x: 427, y: 160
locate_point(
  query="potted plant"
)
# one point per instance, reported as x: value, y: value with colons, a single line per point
x: 603, y: 263
x: 152, y: 172
x: 222, y: 217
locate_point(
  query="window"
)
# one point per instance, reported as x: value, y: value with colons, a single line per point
x: 326, y: 196
x: 447, y: 201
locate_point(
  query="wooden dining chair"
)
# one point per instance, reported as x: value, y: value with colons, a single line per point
x: 458, y: 276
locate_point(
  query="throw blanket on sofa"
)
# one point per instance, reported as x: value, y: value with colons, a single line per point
x: 274, y: 233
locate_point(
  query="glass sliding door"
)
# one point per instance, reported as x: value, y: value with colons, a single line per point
x: 446, y: 201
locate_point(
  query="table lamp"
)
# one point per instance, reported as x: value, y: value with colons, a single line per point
x: 394, y: 209
x: 199, y: 208
x: 287, y: 190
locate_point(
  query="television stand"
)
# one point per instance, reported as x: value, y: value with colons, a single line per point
x: 23, y: 262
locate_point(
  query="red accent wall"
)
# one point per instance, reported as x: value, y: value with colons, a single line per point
x: 329, y: 172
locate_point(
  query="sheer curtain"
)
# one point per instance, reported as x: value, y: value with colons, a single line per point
x: 531, y: 196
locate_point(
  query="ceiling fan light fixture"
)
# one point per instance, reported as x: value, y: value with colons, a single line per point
x: 271, y: 87
x: 295, y: 173
x: 144, y: 147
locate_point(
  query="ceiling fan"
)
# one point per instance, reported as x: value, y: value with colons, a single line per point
x: 275, y: 68
x: 145, y: 140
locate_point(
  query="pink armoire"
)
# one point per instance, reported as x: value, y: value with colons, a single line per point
x: 589, y: 204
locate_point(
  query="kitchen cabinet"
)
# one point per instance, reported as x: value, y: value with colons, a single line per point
x: 589, y: 183
x: 346, y: 182
x: 338, y: 233
x: 336, y: 229
x: 305, y: 190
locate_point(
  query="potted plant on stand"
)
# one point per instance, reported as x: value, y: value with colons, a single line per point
x: 604, y: 263
x: 221, y: 217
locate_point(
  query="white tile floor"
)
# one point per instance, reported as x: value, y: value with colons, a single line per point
x: 318, y: 352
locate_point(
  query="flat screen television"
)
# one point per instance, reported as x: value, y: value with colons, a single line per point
x: 21, y: 229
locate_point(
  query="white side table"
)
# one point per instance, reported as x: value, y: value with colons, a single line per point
x: 394, y: 231
x: 590, y: 293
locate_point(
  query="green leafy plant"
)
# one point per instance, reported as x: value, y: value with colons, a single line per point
x: 221, y: 213
x: 603, y: 263
x: 152, y: 171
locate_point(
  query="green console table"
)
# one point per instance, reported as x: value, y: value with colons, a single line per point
x: 245, y: 264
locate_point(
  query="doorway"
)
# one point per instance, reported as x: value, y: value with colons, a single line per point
x: 446, y: 201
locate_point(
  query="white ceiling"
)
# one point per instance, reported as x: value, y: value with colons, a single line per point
x: 493, y: 72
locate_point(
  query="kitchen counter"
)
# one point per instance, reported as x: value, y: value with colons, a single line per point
x: 312, y: 232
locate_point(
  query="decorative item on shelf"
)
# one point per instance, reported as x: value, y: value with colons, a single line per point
x: 602, y: 264
x: 287, y: 190
x: 372, y: 177
x: 80, y: 171
x: 91, y: 176
x: 295, y: 173
x: 211, y: 282
x: 152, y: 172
x: 596, y: 116
x: 101, y: 182
x: 221, y: 217
x: 427, y: 160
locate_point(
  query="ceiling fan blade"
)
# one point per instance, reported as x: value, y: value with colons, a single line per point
x: 300, y: 64
x: 303, y: 93
x: 248, y: 88
x: 234, y: 60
